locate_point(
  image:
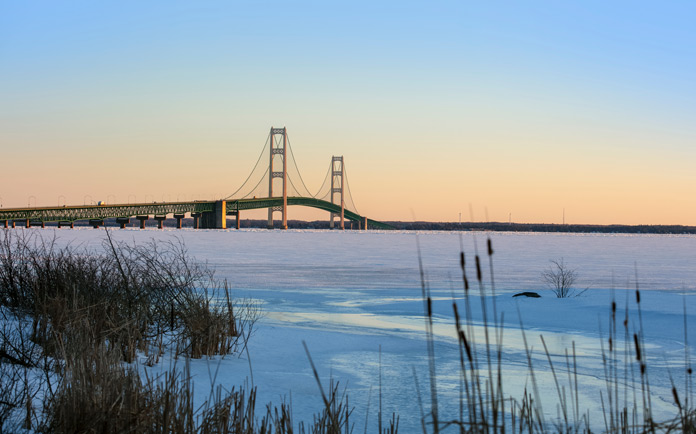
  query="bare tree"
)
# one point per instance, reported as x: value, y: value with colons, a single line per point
x: 560, y: 279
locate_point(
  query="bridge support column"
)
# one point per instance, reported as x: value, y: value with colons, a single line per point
x: 123, y: 221
x: 143, y: 219
x: 236, y: 215
x: 196, y: 216
x: 207, y: 220
x: 278, y: 148
x: 337, y: 182
x: 28, y: 224
x: 178, y: 218
x: 43, y: 224
x: 365, y: 223
x: 13, y: 224
x: 6, y: 224
x: 96, y: 223
x: 221, y: 214
x: 217, y: 219
x: 160, y: 220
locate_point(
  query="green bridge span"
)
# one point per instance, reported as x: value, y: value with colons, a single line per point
x: 206, y: 214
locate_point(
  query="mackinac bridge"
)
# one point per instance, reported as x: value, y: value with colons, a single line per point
x: 274, y: 183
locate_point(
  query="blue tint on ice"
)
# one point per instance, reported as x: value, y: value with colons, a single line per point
x: 348, y: 293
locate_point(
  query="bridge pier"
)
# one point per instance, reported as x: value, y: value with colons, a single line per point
x: 6, y: 224
x: 207, y: 220
x: 96, y: 223
x: 12, y: 224
x: 123, y: 221
x: 60, y: 224
x: 236, y: 214
x: 284, y: 221
x: 160, y: 221
x: 196, y: 216
x: 365, y: 223
x: 216, y: 219
x: 143, y: 219
x: 221, y: 214
x: 27, y: 224
x: 178, y: 218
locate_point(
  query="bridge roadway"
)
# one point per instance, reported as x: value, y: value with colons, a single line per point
x: 96, y: 214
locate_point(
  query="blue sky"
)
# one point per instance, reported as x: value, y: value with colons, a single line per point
x: 520, y: 108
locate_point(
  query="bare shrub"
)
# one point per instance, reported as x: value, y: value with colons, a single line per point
x: 126, y: 297
x: 560, y: 279
x: 25, y: 373
x: 70, y: 317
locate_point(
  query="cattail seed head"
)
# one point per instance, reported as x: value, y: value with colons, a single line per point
x: 613, y: 307
x: 611, y: 342
x: 462, y: 337
x: 478, y: 269
x: 430, y: 307
x: 462, y: 262
x: 637, y: 296
x: 635, y: 340
x: 676, y: 397
x: 642, y: 369
x: 456, y: 315
x: 490, y: 247
x: 689, y: 371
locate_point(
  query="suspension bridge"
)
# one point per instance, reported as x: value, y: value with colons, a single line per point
x: 275, y: 186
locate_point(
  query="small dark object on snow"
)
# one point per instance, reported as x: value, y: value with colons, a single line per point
x: 527, y: 294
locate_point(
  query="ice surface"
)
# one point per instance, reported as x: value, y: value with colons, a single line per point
x: 348, y: 294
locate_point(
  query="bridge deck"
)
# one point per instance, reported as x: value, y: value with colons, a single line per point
x: 74, y: 213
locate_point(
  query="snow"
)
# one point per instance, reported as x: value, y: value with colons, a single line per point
x: 351, y: 294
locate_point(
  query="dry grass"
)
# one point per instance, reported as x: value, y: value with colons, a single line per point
x: 484, y: 408
x: 128, y: 297
x: 71, y: 317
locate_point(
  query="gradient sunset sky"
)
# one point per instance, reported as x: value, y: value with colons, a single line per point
x: 520, y: 108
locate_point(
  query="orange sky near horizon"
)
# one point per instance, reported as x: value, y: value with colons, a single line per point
x: 521, y: 112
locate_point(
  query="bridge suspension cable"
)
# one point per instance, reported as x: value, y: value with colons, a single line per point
x: 252, y: 172
x: 325, y: 182
x: 294, y: 162
x: 296, y: 188
x: 353, y: 207
x: 256, y: 187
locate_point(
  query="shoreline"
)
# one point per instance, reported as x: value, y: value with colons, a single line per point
x: 450, y: 226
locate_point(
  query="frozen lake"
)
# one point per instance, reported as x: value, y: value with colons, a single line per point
x: 348, y: 294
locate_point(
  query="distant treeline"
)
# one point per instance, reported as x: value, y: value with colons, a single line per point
x: 492, y: 226
x: 545, y: 227
x: 452, y: 226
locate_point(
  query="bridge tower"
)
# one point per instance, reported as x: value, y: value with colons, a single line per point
x: 278, y: 149
x: 337, y: 189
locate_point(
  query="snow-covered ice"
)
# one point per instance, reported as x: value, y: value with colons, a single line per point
x: 349, y: 294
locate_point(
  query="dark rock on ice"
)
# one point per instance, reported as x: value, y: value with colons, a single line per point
x: 527, y: 294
